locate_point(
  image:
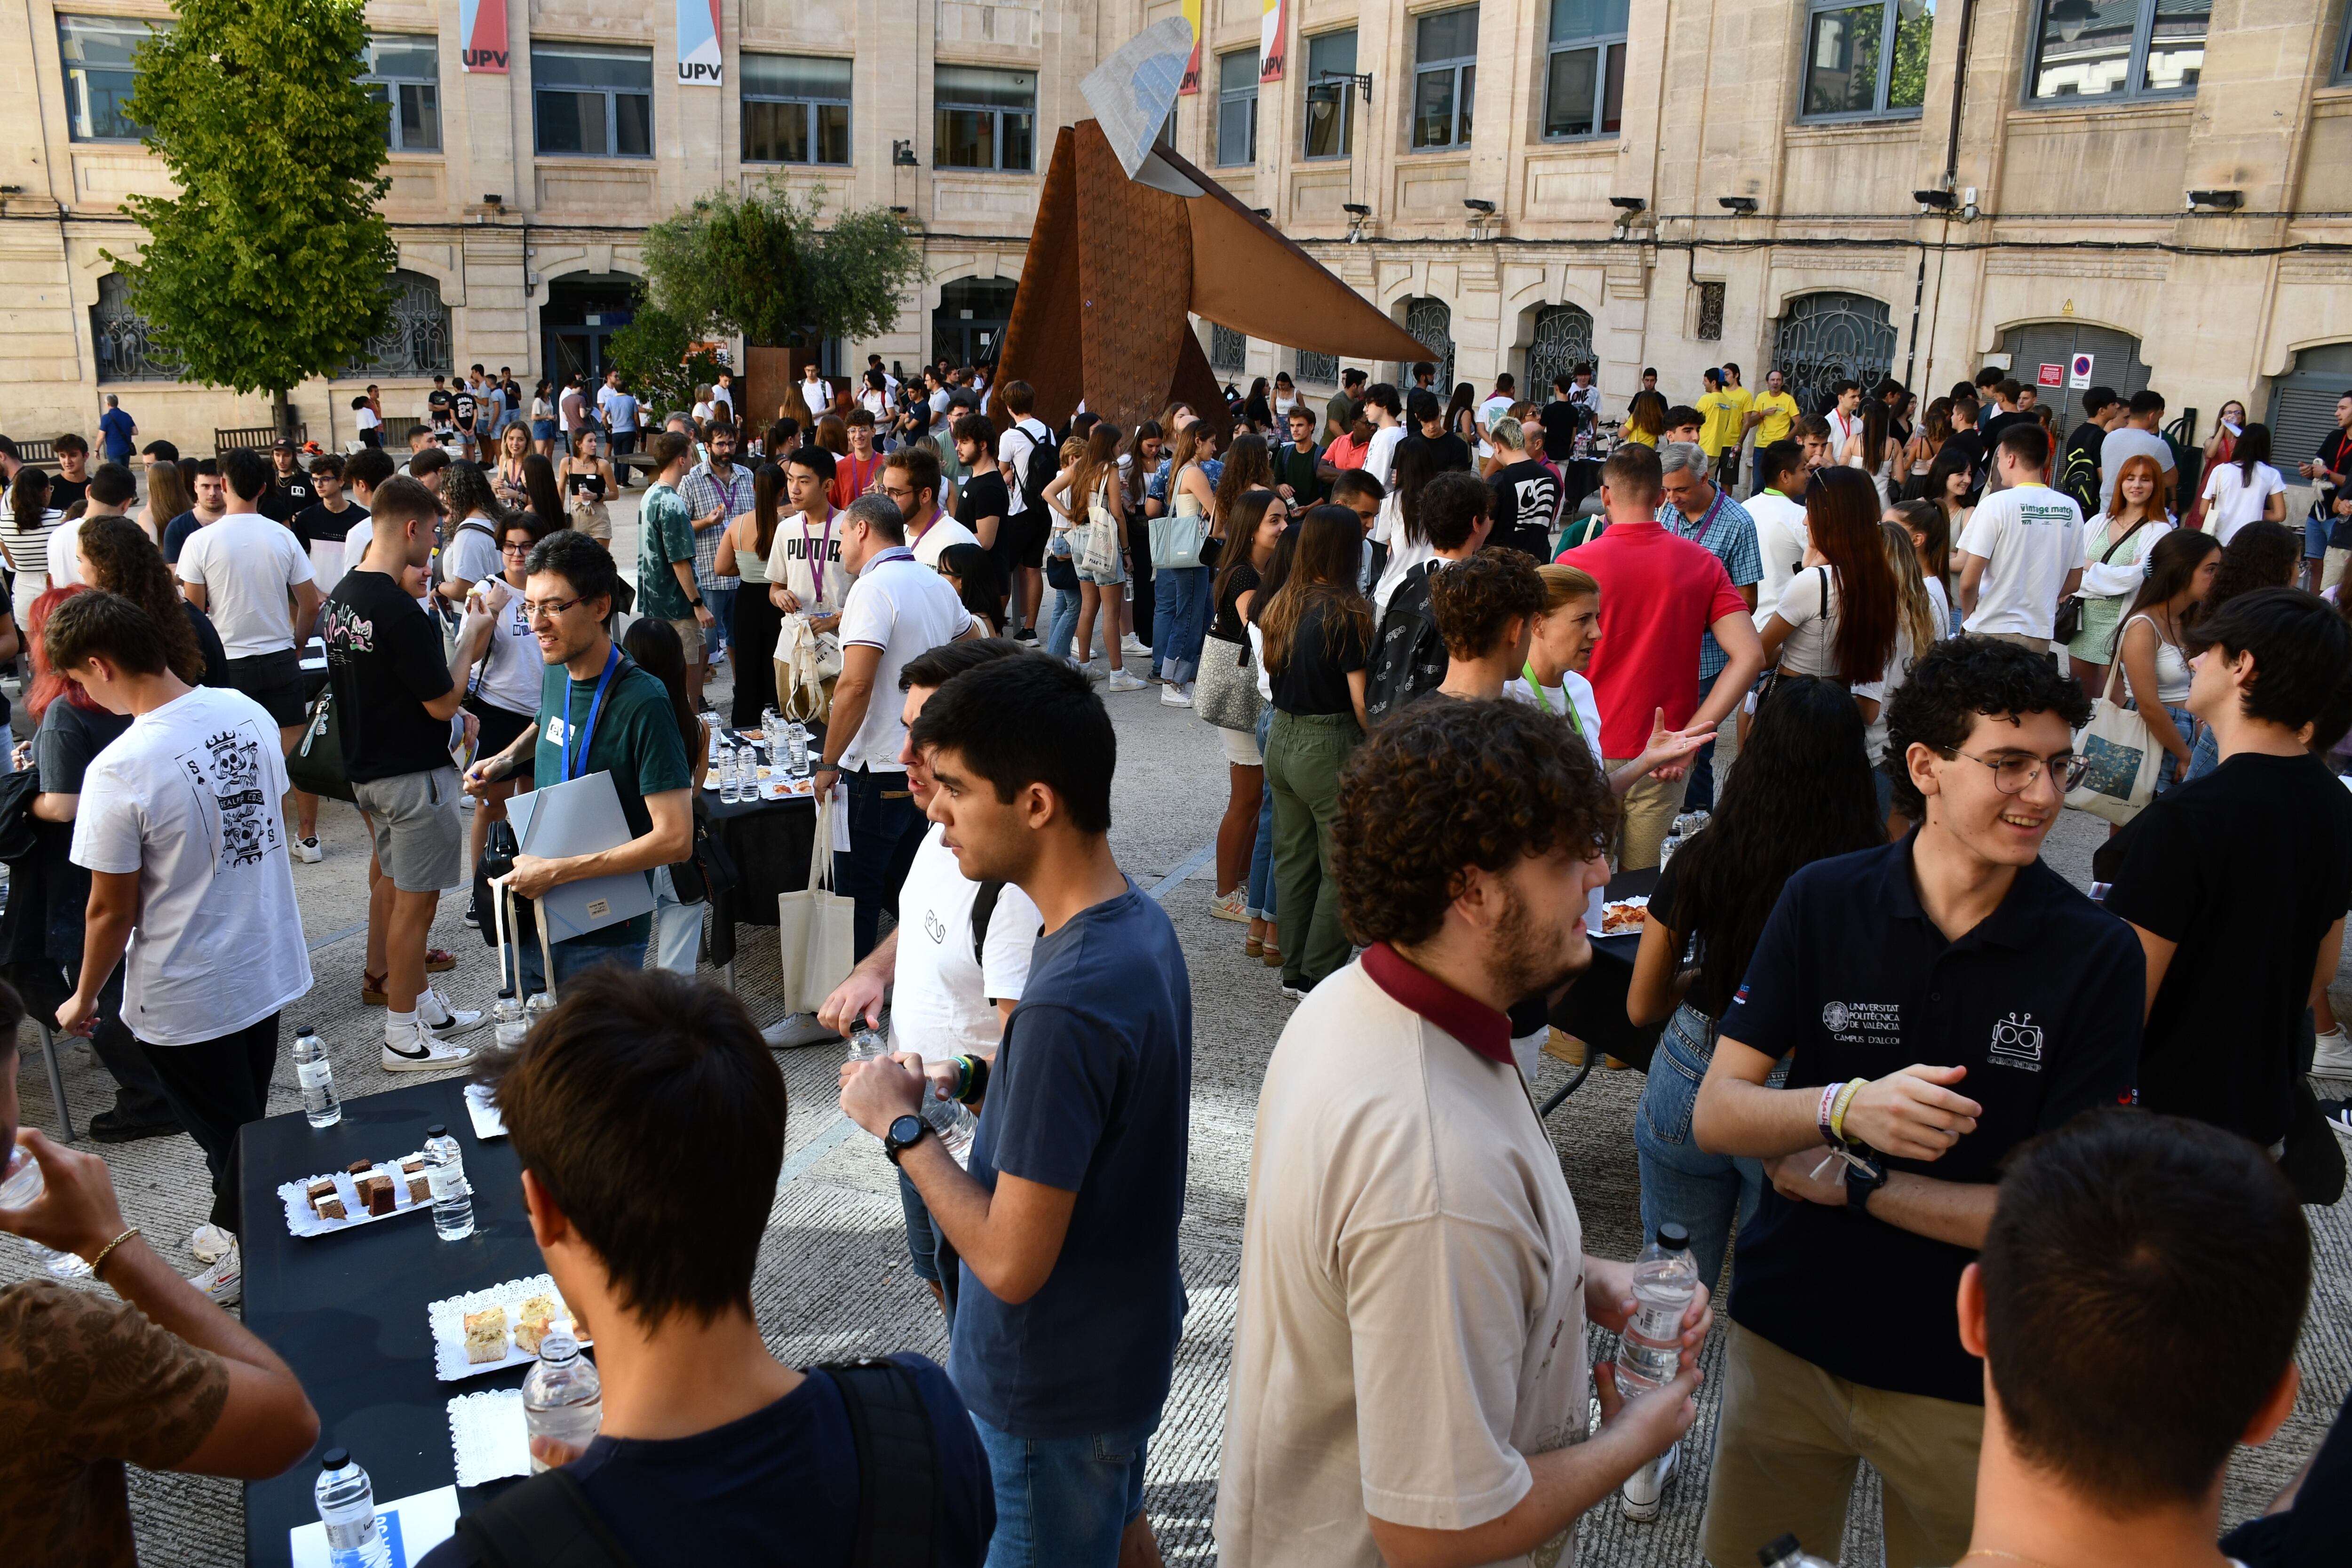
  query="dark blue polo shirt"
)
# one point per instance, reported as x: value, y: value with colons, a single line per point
x: 2042, y: 1003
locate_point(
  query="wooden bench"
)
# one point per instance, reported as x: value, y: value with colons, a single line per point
x: 254, y: 438
x: 39, y: 454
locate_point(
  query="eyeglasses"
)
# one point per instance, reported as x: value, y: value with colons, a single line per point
x: 897, y: 495
x: 2013, y: 772
x: 547, y: 609
x: 511, y: 548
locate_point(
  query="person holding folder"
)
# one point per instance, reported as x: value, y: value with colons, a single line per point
x: 598, y: 712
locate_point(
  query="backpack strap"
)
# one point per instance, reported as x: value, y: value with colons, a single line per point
x: 983, y: 909
x: 899, y: 1490
x: 545, y: 1522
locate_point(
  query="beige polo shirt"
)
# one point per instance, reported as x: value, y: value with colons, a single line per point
x: 1410, y: 1322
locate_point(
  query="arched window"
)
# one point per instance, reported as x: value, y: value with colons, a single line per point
x: 1431, y: 321
x: 415, y: 337
x: 1228, y: 350
x: 124, y: 342
x: 1563, y: 340
x: 1828, y: 338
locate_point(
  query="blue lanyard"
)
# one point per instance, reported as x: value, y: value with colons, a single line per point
x: 587, y: 733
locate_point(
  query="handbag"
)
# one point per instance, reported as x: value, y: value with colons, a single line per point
x: 1097, y: 551
x: 316, y: 764
x: 815, y: 926
x: 1061, y: 572
x: 2067, y: 624
x: 808, y: 662
x: 1225, y: 690
x: 2123, y: 758
x: 1176, y: 541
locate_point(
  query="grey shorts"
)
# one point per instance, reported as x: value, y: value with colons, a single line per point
x: 420, y: 838
x: 690, y: 636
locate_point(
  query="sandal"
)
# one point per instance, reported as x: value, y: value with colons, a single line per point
x: 439, y: 958
x: 1273, y: 958
x: 1253, y: 947
x: 372, y: 988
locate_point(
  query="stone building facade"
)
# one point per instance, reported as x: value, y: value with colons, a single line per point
x: 1523, y: 182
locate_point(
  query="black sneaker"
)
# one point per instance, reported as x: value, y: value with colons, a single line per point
x: 112, y: 1127
x: 473, y: 916
x: 1026, y: 633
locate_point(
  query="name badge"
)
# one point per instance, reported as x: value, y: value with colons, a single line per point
x: 556, y: 730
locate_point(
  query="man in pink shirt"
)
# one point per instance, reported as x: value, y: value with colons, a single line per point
x: 1660, y: 594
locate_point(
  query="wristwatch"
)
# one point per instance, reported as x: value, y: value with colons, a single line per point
x: 1864, y: 1174
x: 904, y: 1134
x: 695, y: 602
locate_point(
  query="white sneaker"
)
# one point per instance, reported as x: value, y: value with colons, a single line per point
x: 422, y: 1051
x: 1232, y: 906
x: 222, y: 1283
x: 1121, y: 681
x: 1175, y: 694
x: 307, y: 850
x: 2332, y: 1057
x: 210, y: 1243
x: 1129, y: 645
x: 450, y: 1020
x: 1644, y: 1489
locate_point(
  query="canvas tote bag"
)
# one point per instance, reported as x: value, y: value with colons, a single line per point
x: 2123, y: 753
x: 816, y: 925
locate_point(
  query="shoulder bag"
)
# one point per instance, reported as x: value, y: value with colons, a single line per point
x: 1098, y: 556
x: 815, y: 930
x: 315, y: 764
x: 1176, y: 538
x: 2067, y: 625
x: 2122, y: 751
x: 1225, y: 694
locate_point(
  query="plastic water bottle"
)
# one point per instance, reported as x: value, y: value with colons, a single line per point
x: 952, y: 1122
x: 347, y: 1504
x: 867, y: 1044
x: 445, y: 1178
x: 1666, y: 848
x: 21, y: 1186
x: 729, y: 789
x: 507, y: 1020
x: 1665, y: 1279
x: 798, y: 736
x: 535, y: 1009
x: 746, y: 773
x: 1784, y: 1552
x: 563, y: 1397
x: 317, y: 1076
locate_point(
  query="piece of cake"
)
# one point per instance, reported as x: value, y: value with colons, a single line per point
x: 360, y: 1167
x: 332, y: 1207
x: 412, y: 1166
x: 380, y: 1199
x: 419, y: 1189
x: 532, y: 1320
x: 324, y: 1187
x: 486, y: 1335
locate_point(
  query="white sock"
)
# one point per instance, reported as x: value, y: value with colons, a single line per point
x: 399, y: 1027
x: 436, y: 1014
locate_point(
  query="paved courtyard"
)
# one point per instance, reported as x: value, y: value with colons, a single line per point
x: 833, y: 1278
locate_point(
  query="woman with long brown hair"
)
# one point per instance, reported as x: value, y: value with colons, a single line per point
x: 1248, y: 467
x: 25, y: 542
x: 507, y: 479
x: 1919, y: 455
x: 1258, y: 519
x: 755, y: 621
x: 1646, y: 417
x: 2153, y: 645
x: 1317, y: 631
x: 115, y: 553
x: 1931, y: 541
x: 832, y: 434
x: 167, y: 497
x: 1838, y: 616
x: 2116, y: 546
x: 1180, y: 595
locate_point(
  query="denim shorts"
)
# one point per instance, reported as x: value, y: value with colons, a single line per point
x: 2315, y: 530
x: 1064, y: 1502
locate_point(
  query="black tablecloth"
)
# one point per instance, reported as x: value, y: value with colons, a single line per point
x: 1594, y: 1008
x: 347, y: 1311
x: 767, y: 843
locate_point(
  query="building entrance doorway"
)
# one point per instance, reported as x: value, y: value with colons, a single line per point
x: 582, y: 313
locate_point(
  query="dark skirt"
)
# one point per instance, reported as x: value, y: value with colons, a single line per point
x: 753, y: 623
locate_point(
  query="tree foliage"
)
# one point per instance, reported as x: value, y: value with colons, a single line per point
x: 655, y: 354
x: 769, y: 267
x: 271, y: 265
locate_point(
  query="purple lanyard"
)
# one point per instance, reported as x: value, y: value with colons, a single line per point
x: 824, y: 549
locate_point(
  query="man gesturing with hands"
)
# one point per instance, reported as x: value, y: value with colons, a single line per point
x: 1938, y: 1002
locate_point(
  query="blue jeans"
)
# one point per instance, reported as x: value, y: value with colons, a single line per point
x: 1261, y: 869
x: 1062, y: 1502
x: 1180, y: 620
x: 722, y: 605
x: 1062, y: 624
x: 2186, y: 723
x: 884, y: 826
x: 2205, y: 755
x: 1698, y: 794
x: 1680, y: 1184
x: 934, y: 1256
x: 578, y: 955
x: 2315, y: 531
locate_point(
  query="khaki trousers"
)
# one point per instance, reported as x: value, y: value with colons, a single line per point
x: 1787, y: 1444
x: 1646, y: 816
x: 2031, y: 644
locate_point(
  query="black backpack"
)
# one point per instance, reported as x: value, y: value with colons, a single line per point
x: 547, y: 1521
x: 1039, y: 469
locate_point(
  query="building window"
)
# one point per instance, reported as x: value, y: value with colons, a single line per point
x: 1710, y: 313
x: 985, y: 120
x: 594, y: 100
x: 404, y: 74
x: 1444, y: 77
x: 795, y: 110
x: 1868, y: 59
x: 97, y: 55
x: 1562, y: 343
x: 1237, y: 108
x: 1584, y: 93
x: 415, y: 336
x: 2118, y: 48
x: 1431, y: 321
x: 124, y: 342
x: 1824, y: 338
x: 1330, y: 105
x: 1317, y: 369
x: 1228, y: 350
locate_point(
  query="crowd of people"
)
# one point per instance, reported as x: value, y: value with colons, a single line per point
x: 1470, y: 660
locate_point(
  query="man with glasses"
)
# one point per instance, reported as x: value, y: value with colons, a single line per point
x: 1938, y: 1003
x: 715, y: 493
x: 598, y: 712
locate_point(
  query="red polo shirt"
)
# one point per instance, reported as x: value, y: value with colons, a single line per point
x: 1659, y: 593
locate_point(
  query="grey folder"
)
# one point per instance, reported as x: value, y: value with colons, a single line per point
x: 580, y: 816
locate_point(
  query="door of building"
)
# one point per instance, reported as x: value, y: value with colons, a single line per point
x: 577, y: 321
x: 2115, y: 362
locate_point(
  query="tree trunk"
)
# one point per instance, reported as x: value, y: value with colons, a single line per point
x: 282, y: 413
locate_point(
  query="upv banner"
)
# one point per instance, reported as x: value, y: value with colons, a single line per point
x: 698, y: 61
x: 482, y: 37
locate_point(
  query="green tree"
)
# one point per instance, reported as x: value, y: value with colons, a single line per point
x: 271, y: 265
x: 659, y: 359
x: 770, y: 268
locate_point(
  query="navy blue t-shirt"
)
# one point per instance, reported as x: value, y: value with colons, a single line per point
x: 777, y: 1488
x: 1089, y: 1094
x: 2041, y: 1001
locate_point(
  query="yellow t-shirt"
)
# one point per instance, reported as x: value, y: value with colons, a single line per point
x: 1780, y: 411
x: 1722, y: 410
x: 1633, y: 435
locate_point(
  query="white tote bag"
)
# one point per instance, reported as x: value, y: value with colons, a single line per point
x: 816, y: 925
x: 807, y: 664
x: 2124, y: 758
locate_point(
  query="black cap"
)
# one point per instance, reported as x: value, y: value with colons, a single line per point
x: 334, y: 1458
x: 301, y: 1029
x: 1781, y: 1548
x: 1673, y: 1238
x: 284, y: 443
x: 437, y: 1130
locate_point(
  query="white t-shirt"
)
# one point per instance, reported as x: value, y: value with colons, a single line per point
x: 944, y: 530
x: 246, y: 564
x: 1409, y: 1323
x: 187, y: 797
x: 791, y: 561
x: 2230, y: 503
x: 1380, y: 462
x: 817, y: 395
x: 510, y: 671
x: 1809, y: 605
x: 1780, y: 541
x: 471, y: 553
x: 2031, y: 537
x: 1013, y: 450
x: 1494, y: 408
x: 369, y: 418
x: 1573, y: 697
x: 904, y: 608
x: 64, y: 544
x: 1943, y: 605
x: 2128, y: 441
x: 942, y: 1002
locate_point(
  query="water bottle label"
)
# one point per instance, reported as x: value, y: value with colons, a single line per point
x: 444, y: 1182
x: 314, y: 1075
x: 1658, y: 1323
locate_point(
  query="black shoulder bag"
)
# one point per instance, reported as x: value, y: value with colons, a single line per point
x: 2067, y: 625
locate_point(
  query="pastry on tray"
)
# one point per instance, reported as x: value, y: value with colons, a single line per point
x: 532, y: 1320
x: 412, y: 1166
x: 486, y: 1335
x: 380, y: 1198
x: 360, y: 1167
x: 317, y: 1192
x: 330, y: 1207
x: 419, y: 1189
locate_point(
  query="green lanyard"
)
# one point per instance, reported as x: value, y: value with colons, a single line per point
x: 1574, y: 722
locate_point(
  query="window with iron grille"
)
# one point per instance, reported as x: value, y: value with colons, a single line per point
x: 1710, y: 313
x: 1228, y: 350
x: 1320, y: 370
x: 125, y: 341
x: 415, y: 336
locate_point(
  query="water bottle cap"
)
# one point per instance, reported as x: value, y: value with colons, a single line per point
x: 437, y: 1130
x: 1782, y: 1546
x: 301, y: 1029
x: 558, y: 1344
x: 506, y: 992
x: 335, y: 1458
x: 1673, y: 1238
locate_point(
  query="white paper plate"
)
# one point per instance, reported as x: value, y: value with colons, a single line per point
x: 447, y: 1321
x: 487, y: 1123
x: 488, y: 1435
x: 302, y: 1220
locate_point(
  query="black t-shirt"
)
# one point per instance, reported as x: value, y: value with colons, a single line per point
x: 1315, y: 678
x: 461, y: 404
x: 314, y: 524
x: 1561, y: 418
x: 208, y: 640
x: 437, y: 403
x: 1527, y: 498
x: 1991, y: 429
x: 1972, y: 442
x: 577, y: 483
x: 64, y: 492
x: 2041, y: 1002
x: 2245, y: 869
x: 70, y: 736
x: 1227, y: 627
x: 985, y: 495
x: 1296, y: 470
x: 1449, y: 452
x: 384, y: 662
x: 1409, y: 657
